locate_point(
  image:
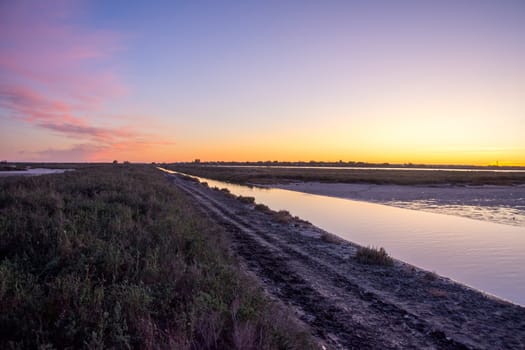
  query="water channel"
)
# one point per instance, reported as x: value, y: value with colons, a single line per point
x: 484, y: 255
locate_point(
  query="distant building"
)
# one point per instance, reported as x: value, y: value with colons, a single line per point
x: 197, y: 161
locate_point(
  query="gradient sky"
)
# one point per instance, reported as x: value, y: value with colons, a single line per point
x: 378, y: 81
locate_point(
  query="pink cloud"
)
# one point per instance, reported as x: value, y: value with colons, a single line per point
x: 26, y: 104
x: 100, y: 143
x: 41, y: 46
x: 86, y: 152
x: 96, y: 133
x: 56, y: 75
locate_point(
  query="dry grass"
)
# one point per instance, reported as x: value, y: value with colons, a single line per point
x: 438, y: 293
x: 262, y: 207
x: 246, y: 200
x: 430, y: 276
x: 283, y: 216
x: 373, y: 256
x: 331, y: 238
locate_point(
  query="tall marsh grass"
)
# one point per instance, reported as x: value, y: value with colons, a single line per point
x: 373, y: 256
x: 115, y: 256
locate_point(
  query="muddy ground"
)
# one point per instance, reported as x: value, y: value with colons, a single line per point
x: 349, y: 305
x: 501, y: 204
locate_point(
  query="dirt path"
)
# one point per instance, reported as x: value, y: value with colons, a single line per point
x: 350, y: 305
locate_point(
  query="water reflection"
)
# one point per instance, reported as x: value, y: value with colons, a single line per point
x: 482, y: 254
x: 500, y: 204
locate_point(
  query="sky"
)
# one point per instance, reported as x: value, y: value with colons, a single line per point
x: 440, y: 82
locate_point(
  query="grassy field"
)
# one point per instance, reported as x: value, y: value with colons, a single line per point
x: 115, y: 256
x: 271, y: 175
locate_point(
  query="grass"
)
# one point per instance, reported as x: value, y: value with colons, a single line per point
x: 331, y: 238
x: 116, y: 257
x: 246, y: 199
x: 438, y: 293
x: 272, y: 175
x: 263, y: 207
x: 373, y: 256
x: 283, y: 216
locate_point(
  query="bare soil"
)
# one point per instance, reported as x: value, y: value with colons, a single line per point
x: 349, y: 305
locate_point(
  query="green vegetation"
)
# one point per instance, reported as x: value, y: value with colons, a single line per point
x: 373, y: 256
x: 272, y: 175
x: 115, y: 256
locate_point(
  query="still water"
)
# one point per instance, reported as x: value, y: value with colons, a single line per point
x: 485, y: 255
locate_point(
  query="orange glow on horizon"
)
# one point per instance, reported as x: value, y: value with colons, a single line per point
x: 440, y: 83
x: 298, y: 153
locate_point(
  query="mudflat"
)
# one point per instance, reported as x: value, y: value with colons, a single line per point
x: 502, y: 204
x: 348, y: 304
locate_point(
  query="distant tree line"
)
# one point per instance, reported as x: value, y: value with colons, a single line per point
x: 342, y: 163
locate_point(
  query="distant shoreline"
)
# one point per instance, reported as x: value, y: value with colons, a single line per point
x: 423, y: 168
x: 277, y: 164
x: 356, y: 165
x: 268, y: 175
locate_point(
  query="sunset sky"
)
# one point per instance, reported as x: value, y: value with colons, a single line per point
x: 378, y: 81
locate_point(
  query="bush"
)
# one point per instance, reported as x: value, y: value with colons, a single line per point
x: 283, y: 216
x: 262, y: 207
x: 331, y: 238
x: 373, y: 256
x: 247, y: 200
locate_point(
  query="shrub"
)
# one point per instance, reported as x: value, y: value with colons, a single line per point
x: 331, y: 238
x: 430, y: 276
x: 262, y: 207
x: 283, y: 216
x: 247, y: 200
x: 373, y: 256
